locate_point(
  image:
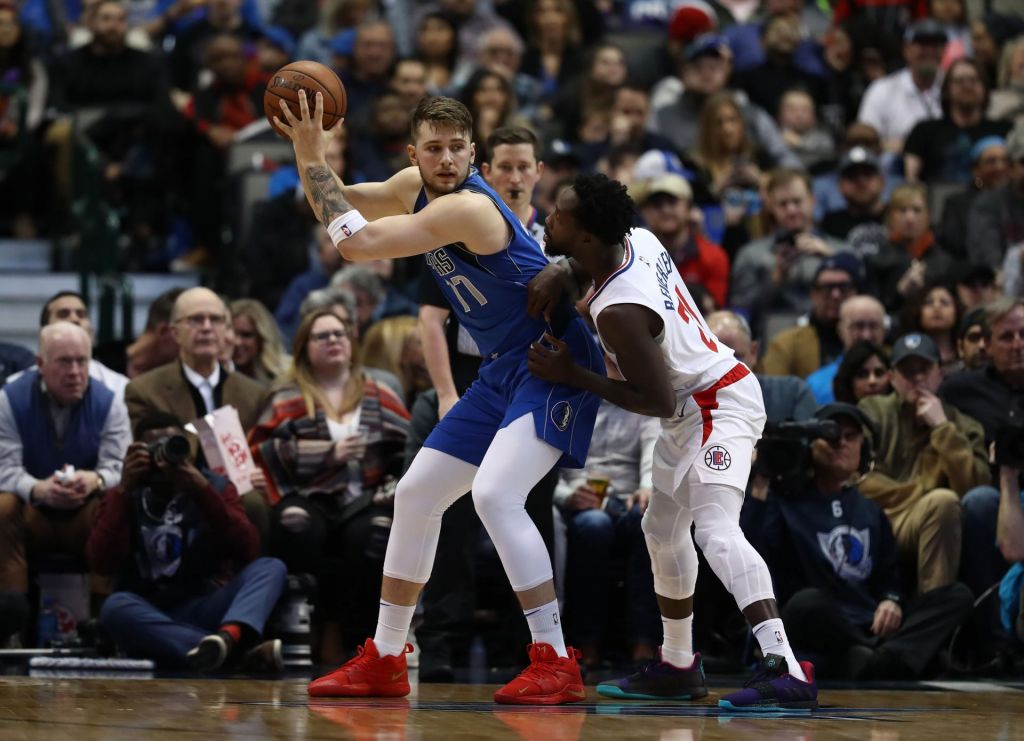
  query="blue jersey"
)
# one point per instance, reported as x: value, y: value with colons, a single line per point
x: 488, y: 292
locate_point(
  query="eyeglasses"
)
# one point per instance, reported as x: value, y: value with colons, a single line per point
x: 198, y: 320
x: 331, y: 334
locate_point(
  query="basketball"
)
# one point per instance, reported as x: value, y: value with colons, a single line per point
x: 312, y: 77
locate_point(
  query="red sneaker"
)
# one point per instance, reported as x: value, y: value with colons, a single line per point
x: 367, y: 675
x: 548, y: 680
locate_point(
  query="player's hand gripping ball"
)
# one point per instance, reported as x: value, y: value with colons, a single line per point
x: 313, y: 78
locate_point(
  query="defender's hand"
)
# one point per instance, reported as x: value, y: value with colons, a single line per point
x: 546, y: 289
x: 549, y: 358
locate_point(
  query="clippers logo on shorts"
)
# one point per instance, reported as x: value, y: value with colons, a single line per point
x: 717, y: 458
x: 561, y: 413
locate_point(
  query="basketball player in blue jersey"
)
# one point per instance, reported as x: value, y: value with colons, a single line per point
x: 509, y: 428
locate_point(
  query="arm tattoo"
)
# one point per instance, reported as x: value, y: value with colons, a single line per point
x: 325, y: 194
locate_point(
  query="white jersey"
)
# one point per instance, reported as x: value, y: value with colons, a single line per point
x: 695, y: 358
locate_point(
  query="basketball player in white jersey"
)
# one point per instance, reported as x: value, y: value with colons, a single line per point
x: 672, y: 366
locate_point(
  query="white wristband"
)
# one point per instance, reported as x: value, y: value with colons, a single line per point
x: 346, y: 225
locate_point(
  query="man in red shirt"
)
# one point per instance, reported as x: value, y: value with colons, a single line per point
x: 664, y: 204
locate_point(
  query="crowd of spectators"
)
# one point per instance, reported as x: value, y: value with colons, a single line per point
x: 843, y: 191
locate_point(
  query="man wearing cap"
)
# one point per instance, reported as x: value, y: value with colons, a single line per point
x: 860, y: 318
x: 928, y: 456
x: 836, y: 565
x: 996, y: 219
x: 990, y: 169
x: 862, y: 184
x: 773, y: 273
x: 896, y: 102
x: 801, y: 350
x: 938, y: 150
x: 704, y: 70
x: 664, y: 204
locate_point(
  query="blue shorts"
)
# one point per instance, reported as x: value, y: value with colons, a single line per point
x: 506, y: 390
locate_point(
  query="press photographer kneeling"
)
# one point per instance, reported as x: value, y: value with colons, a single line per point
x: 834, y: 557
x: 190, y: 589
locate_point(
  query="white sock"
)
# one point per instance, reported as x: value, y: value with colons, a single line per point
x: 393, y: 623
x: 677, y: 647
x: 546, y: 627
x: 771, y: 636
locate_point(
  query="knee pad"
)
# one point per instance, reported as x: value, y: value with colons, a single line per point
x: 735, y: 562
x: 673, y: 557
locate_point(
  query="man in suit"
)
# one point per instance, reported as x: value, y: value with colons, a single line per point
x: 196, y: 383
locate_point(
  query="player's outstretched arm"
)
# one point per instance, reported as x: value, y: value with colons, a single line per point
x: 328, y: 196
x: 627, y: 330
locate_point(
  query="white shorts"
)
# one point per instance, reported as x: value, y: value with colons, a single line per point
x: 714, y: 436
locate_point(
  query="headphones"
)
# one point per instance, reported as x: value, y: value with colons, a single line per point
x: 867, y: 449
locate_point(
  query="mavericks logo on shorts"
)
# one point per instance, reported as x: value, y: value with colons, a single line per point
x: 717, y: 458
x: 561, y: 413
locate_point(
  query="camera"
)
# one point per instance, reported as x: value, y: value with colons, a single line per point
x: 170, y: 449
x: 1010, y: 446
x: 784, y: 452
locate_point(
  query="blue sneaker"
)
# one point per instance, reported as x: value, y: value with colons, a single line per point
x: 773, y: 688
x: 659, y: 680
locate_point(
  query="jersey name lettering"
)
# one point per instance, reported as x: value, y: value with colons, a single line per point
x: 663, y: 270
x: 439, y: 261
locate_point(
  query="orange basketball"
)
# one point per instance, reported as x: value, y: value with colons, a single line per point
x: 312, y: 77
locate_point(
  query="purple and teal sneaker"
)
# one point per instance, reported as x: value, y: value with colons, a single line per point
x: 773, y: 688
x: 659, y: 680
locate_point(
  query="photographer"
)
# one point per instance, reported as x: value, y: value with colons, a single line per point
x: 835, y: 562
x: 190, y: 588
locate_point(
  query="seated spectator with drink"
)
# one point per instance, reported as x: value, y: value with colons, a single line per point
x: 602, y: 505
x: 190, y: 587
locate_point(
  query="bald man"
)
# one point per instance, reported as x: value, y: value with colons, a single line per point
x: 860, y: 318
x: 69, y: 306
x: 63, y: 436
x: 196, y: 382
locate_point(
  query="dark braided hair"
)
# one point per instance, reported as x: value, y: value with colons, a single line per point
x: 603, y: 207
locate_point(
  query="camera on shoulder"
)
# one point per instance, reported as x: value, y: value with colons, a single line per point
x: 784, y: 452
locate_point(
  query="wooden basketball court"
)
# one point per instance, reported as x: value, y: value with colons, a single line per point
x: 80, y: 709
